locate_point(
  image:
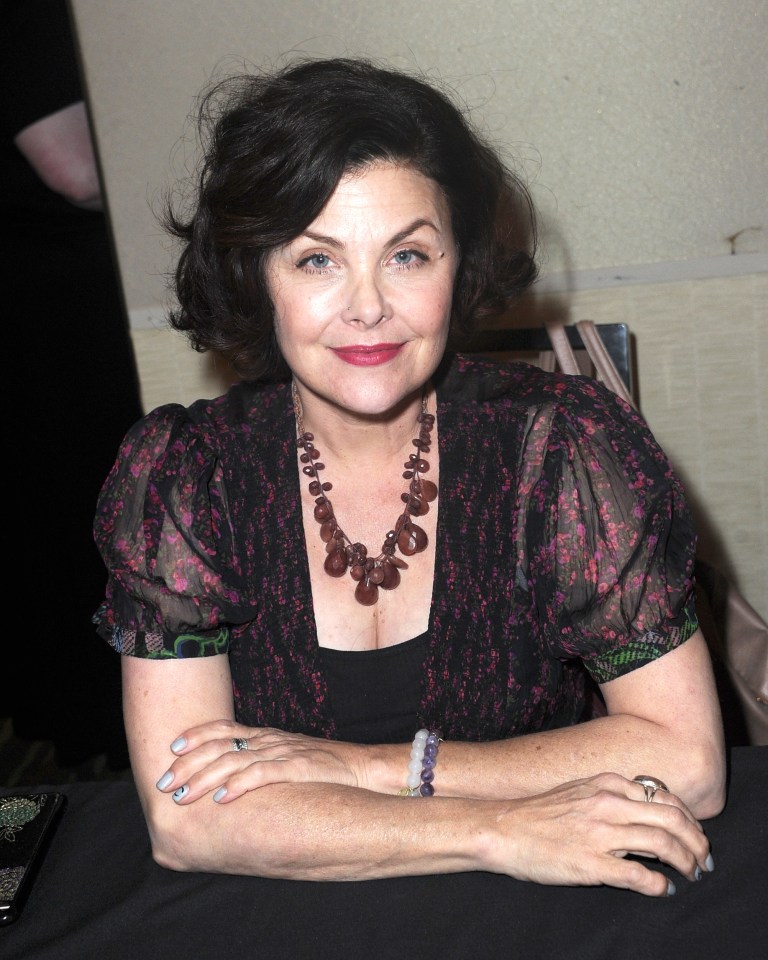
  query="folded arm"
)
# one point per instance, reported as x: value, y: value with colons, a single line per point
x: 332, y: 813
x: 663, y: 721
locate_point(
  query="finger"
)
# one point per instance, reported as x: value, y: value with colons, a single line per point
x: 194, y: 737
x: 635, y: 791
x: 258, y: 774
x: 632, y: 875
x: 690, y: 833
x: 286, y: 762
x: 199, y: 767
x: 678, y: 804
x: 661, y: 844
x: 215, y: 764
x: 190, y: 786
x: 675, y: 819
x: 663, y: 797
x: 661, y: 830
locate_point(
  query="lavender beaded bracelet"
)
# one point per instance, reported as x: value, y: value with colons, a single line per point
x: 421, y: 767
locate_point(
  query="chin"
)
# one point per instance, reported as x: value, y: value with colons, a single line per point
x: 376, y: 395
x: 378, y: 403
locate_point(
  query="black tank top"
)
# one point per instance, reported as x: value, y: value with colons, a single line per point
x: 375, y: 694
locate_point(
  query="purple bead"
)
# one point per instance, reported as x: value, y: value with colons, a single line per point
x: 428, y: 762
x: 430, y: 750
x: 427, y: 776
x: 427, y: 790
x: 434, y: 739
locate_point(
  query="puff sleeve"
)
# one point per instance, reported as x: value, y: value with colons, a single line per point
x: 605, y: 537
x: 164, y: 531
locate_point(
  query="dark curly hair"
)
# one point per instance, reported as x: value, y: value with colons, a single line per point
x: 276, y: 146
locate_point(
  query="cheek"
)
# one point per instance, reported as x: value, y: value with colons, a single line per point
x: 438, y: 304
x: 305, y: 308
x: 291, y: 312
x: 285, y: 329
x: 299, y: 321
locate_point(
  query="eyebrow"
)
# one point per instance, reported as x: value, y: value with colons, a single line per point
x: 397, y: 238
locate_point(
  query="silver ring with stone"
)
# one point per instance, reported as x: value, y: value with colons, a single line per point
x: 650, y: 785
x: 238, y: 743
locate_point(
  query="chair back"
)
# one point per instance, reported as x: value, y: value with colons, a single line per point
x: 534, y: 344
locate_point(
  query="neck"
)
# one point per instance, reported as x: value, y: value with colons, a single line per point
x: 349, y: 436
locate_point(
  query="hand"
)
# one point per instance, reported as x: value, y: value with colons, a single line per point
x: 580, y: 832
x: 207, y: 761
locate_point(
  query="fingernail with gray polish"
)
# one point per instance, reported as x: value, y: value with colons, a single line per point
x: 164, y: 781
x: 697, y: 874
x: 220, y: 794
x: 181, y: 792
x: 178, y: 744
x: 671, y: 889
x: 709, y: 863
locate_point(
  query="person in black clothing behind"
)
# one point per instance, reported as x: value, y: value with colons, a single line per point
x: 76, y: 390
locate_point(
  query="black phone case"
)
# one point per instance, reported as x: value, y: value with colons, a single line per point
x: 27, y: 822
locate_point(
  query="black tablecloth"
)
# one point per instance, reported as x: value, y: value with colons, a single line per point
x: 100, y: 895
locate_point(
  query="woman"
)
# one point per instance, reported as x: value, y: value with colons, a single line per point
x: 279, y: 661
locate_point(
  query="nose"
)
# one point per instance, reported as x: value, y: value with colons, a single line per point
x: 367, y: 302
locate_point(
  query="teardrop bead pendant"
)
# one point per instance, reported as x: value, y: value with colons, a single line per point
x: 412, y: 540
x: 336, y: 563
x: 428, y: 490
x: 366, y: 593
x: 391, y: 577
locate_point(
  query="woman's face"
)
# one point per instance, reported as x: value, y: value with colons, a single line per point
x: 362, y: 298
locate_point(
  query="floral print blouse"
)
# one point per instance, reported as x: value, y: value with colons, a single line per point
x: 564, y: 545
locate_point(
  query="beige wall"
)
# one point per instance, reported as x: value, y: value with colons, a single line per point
x: 640, y: 123
x: 640, y: 126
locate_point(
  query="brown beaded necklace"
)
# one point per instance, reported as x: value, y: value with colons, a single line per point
x: 383, y: 571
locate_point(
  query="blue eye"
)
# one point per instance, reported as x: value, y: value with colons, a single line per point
x: 317, y: 261
x: 408, y: 258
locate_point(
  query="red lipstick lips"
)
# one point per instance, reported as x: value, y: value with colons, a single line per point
x: 360, y: 355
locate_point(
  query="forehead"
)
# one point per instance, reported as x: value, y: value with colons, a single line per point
x: 389, y: 191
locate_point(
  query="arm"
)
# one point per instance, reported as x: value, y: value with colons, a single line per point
x: 663, y: 720
x: 60, y: 151
x: 574, y: 834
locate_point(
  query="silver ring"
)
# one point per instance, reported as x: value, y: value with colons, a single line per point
x: 650, y: 785
x: 239, y: 744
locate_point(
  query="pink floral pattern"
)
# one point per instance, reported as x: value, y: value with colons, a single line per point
x: 565, y: 550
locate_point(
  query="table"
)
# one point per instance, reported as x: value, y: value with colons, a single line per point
x: 99, y: 894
